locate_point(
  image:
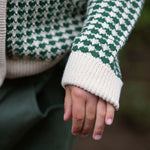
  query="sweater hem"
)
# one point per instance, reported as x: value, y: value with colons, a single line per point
x: 2, y: 41
x: 17, y: 68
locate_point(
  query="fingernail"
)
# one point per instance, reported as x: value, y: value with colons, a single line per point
x: 109, y: 121
x: 64, y: 116
x: 97, y: 137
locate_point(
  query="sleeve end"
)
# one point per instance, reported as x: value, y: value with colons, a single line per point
x: 94, y: 76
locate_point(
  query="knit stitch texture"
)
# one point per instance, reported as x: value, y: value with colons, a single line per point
x: 46, y: 29
x: 93, y: 30
x: 42, y: 29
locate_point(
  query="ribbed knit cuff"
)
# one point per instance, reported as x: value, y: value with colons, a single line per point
x: 92, y: 75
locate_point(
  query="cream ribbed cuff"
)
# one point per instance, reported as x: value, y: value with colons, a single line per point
x: 2, y: 40
x: 92, y: 75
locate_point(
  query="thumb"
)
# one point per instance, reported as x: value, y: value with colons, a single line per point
x: 67, y: 105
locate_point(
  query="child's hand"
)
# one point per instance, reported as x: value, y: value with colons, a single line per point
x: 85, y: 110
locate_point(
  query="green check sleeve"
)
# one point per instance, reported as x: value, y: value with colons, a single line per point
x: 93, y: 63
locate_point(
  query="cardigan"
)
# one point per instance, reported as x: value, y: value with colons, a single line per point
x: 37, y: 34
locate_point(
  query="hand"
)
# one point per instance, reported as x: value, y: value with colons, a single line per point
x: 86, y: 109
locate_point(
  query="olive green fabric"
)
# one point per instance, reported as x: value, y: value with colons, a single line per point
x: 31, y: 113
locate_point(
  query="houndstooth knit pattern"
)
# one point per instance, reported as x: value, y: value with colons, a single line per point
x: 47, y: 29
x: 106, y: 29
x: 43, y: 29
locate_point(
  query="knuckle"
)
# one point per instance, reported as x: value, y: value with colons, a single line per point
x: 91, y: 111
x: 90, y: 119
x: 77, y: 110
x: 78, y: 118
x: 78, y: 93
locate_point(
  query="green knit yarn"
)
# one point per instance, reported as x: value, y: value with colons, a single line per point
x: 47, y: 29
x: 42, y: 29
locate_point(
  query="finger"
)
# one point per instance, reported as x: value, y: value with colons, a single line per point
x: 109, y: 114
x: 78, y: 110
x: 67, y: 105
x: 100, y: 120
x: 90, y: 114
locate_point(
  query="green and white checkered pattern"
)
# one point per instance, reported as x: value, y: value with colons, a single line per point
x: 42, y: 29
x: 106, y: 28
x: 46, y: 29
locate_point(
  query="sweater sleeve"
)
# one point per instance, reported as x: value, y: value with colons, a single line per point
x: 93, y: 63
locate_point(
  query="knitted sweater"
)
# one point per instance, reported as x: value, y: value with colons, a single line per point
x: 36, y: 34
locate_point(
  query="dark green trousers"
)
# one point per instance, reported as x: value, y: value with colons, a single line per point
x: 31, y: 113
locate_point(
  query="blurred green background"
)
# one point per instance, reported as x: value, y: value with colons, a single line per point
x: 131, y: 127
x: 135, y: 66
